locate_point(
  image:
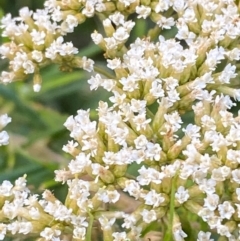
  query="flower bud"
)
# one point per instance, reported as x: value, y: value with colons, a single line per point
x: 129, y: 8
x: 176, y: 149
x: 149, y: 98
x: 111, y: 145
x: 232, y: 225
x: 232, y: 92
x: 101, y: 148
x: 96, y: 203
x: 155, y: 17
x: 120, y: 73
x: 227, y: 41
x: 153, y: 33
x: 220, y: 189
x: 232, y: 186
x: 77, y: 62
x: 192, y: 206
x: 166, y: 185
x: 134, y: 94
x: 121, y: 182
x: 66, y: 5
x: 119, y: 170
x: 80, y: 17
x: 110, y: 6
x: 37, y: 81
x: 48, y: 196
x: 72, y: 204
x: 107, y: 176
x: 159, y: 120
x: 107, y: 235
x: 131, y: 135
x: 145, y: 2
x: 108, y: 27
x: 24, y: 39
x: 222, y: 238
x: 168, y: 141
x: 236, y: 215
x: 195, y: 193
x: 186, y: 102
x: 184, y: 76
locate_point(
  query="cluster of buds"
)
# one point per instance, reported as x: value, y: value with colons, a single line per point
x: 187, y: 171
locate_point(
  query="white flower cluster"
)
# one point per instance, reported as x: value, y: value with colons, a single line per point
x: 206, y: 157
x: 30, y: 215
x: 156, y: 82
x: 36, y: 40
x: 4, y: 137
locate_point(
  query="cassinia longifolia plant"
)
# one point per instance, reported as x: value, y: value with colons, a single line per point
x: 187, y: 172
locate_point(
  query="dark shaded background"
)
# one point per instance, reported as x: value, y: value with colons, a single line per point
x: 14, y: 5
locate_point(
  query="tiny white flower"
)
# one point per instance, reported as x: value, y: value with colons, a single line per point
x: 120, y: 236
x: 3, y: 230
x: 143, y: 11
x: 153, y: 198
x: 38, y: 38
x: 4, y: 120
x: 106, y: 223
x: 37, y: 55
x: 178, y: 233
x: 108, y: 196
x: 4, y: 138
x: 149, y: 216
x: 202, y: 236
x: 236, y: 176
x: 211, y: 201
x: 226, y: 210
x: 182, y: 195
x: 79, y: 233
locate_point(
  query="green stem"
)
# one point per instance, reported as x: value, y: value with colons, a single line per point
x: 169, y: 233
x: 89, y: 228
x: 150, y: 114
x: 102, y: 71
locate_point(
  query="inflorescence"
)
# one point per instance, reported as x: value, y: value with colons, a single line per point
x: 182, y: 167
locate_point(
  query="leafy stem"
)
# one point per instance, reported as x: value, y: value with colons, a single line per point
x: 102, y: 71
x: 89, y: 228
x: 169, y: 233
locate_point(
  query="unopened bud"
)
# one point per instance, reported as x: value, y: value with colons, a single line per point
x: 192, y: 206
